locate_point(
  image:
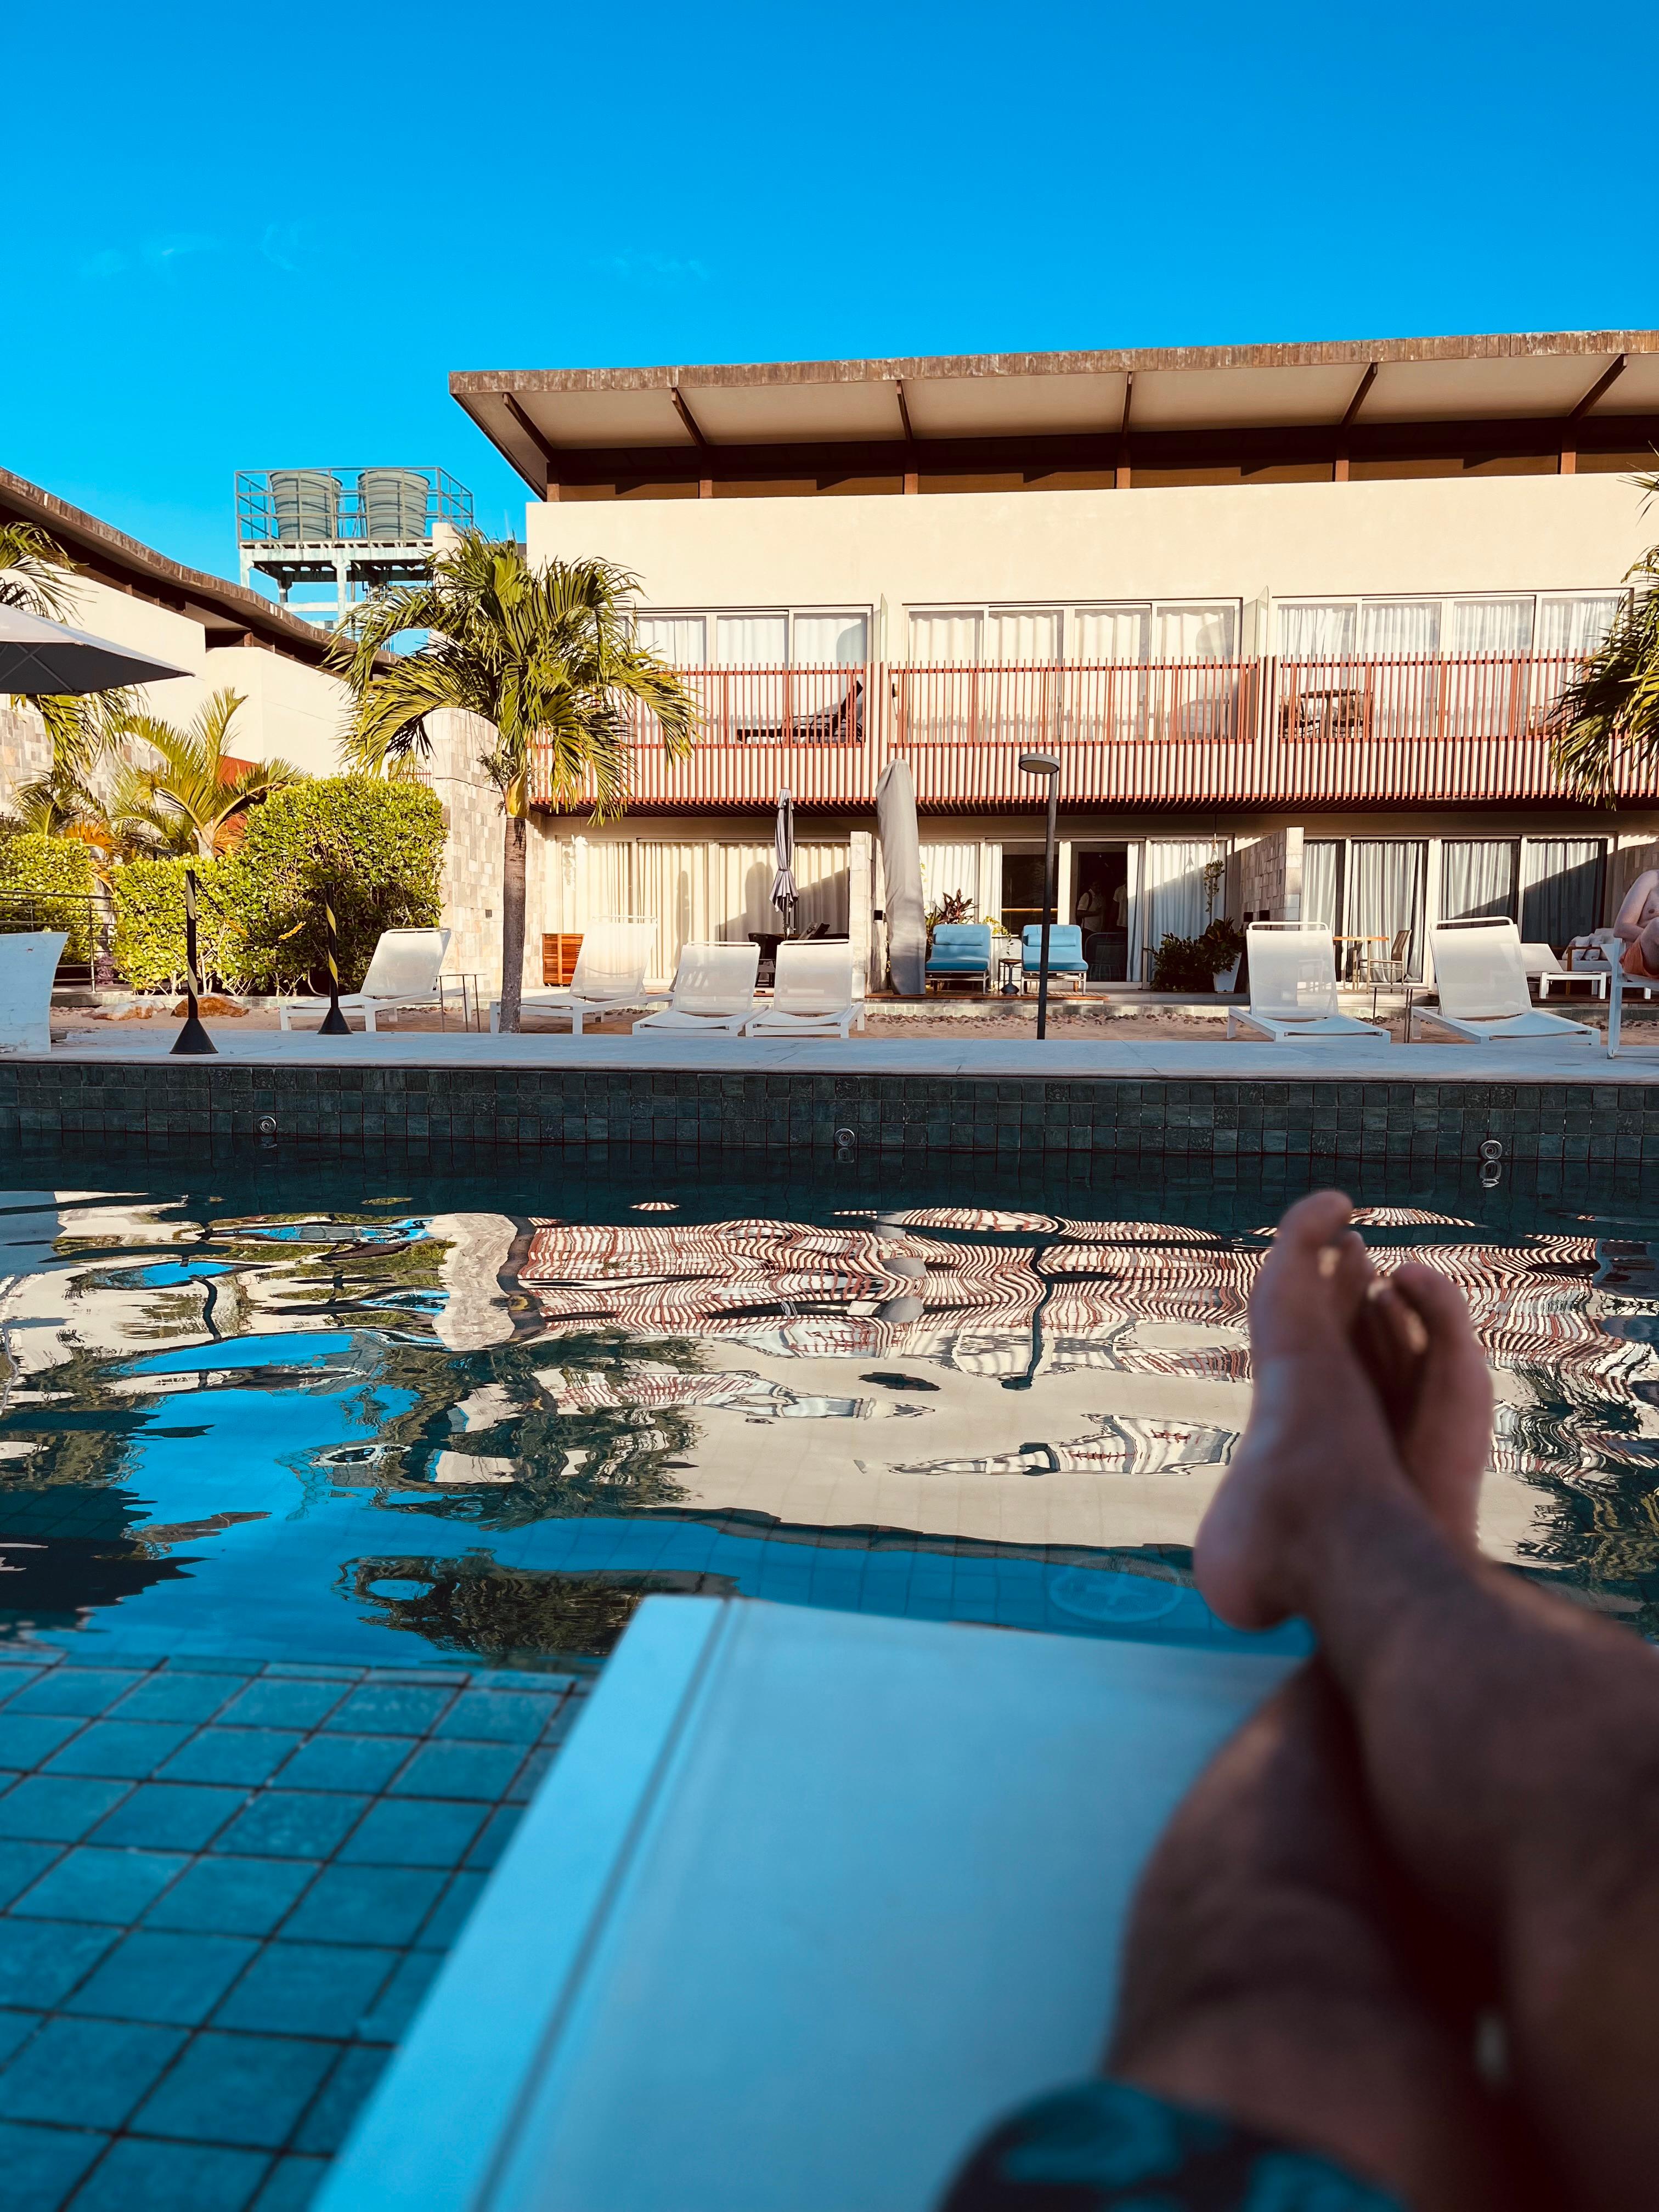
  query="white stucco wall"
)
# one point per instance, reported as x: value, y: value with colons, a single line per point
x: 1222, y: 541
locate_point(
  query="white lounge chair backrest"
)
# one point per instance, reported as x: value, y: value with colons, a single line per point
x: 1292, y: 971
x: 29, y: 961
x: 716, y: 979
x: 813, y: 979
x: 613, y: 959
x: 405, y: 964
x: 1479, y: 970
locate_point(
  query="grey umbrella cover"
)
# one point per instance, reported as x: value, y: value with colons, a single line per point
x: 901, y: 860
x: 40, y: 659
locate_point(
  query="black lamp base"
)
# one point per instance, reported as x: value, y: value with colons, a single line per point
x: 335, y: 1023
x: 193, y: 1038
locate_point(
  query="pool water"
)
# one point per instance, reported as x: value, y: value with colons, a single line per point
x: 380, y: 1417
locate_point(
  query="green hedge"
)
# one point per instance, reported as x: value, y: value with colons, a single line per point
x: 46, y: 882
x: 376, y: 849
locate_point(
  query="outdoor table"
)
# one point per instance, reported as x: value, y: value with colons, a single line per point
x: 1010, y: 971
x: 768, y: 941
x: 1353, y: 944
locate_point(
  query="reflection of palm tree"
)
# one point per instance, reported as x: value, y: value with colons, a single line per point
x: 475, y: 1607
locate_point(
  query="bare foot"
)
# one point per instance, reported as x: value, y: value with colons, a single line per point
x: 1436, y: 1389
x: 1317, y: 1427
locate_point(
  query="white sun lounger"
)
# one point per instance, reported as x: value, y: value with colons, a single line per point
x: 401, y: 978
x: 28, y: 963
x: 813, y: 995
x: 1293, y: 989
x: 713, y: 991
x: 809, y: 1901
x: 1481, y: 978
x: 608, y: 978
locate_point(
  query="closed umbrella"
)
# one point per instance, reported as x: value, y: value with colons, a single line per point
x: 783, y: 842
x: 901, y: 862
x: 44, y: 659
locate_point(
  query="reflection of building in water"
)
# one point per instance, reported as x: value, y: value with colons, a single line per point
x: 644, y: 1383
x: 1126, y: 1444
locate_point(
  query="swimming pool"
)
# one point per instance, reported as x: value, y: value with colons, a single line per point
x: 381, y: 1417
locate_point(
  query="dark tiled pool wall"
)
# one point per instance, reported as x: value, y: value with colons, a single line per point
x: 1026, y: 1119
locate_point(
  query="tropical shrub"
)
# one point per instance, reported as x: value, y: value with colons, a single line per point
x: 1192, y: 964
x: 47, y: 882
x: 374, y: 849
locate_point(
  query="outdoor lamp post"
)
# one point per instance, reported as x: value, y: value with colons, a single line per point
x: 1045, y: 764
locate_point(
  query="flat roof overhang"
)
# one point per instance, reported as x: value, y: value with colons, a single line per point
x: 546, y: 421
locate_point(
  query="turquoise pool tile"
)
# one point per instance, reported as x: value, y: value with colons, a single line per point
x: 27, y: 1738
x: 57, y: 1808
x: 94, y: 1884
x: 141, y: 2176
x: 290, y: 1824
x: 248, y: 2090
x: 497, y: 1717
x: 16, y: 2029
x: 291, y: 2185
x: 42, y: 2165
x: 170, y: 1816
x: 390, y: 1708
x: 328, y: 2123
x: 41, y: 1960
x: 14, y: 1678
x: 497, y: 1835
x: 346, y: 1762
x: 248, y: 1756
x: 307, y: 1989
x: 278, y: 1702
x: 481, y: 1770
x: 232, y: 1897
x: 365, y: 1904
x: 20, y: 1864
x: 174, y: 1979
x: 411, y: 1832
x: 171, y: 1695
x: 399, y: 2001
x: 81, y: 1690
x: 450, y: 1916
x: 128, y: 1750
x: 528, y: 1780
x: 86, y: 2073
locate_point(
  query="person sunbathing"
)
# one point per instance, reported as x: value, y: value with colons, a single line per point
x: 1398, y: 1946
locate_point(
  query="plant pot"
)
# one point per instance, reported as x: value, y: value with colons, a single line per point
x: 1226, y: 977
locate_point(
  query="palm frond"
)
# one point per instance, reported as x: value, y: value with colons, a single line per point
x: 1608, y: 715
x: 35, y: 572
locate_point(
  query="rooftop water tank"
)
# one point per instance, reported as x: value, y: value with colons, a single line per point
x: 307, y: 503
x: 394, y: 504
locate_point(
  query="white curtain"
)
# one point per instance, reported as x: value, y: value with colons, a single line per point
x: 1478, y: 879
x: 1385, y: 896
x: 670, y: 888
x: 831, y: 640
x: 751, y: 641
x: 1196, y: 633
x: 823, y: 879
x: 1177, y: 903
x: 1395, y: 628
x: 951, y: 867
x: 1576, y: 626
x: 945, y: 638
x: 741, y: 892
x: 1022, y: 636
x: 1561, y: 887
x: 1101, y: 635
x: 1321, y: 882
x: 682, y: 638
x: 1492, y: 626
x: 1326, y: 632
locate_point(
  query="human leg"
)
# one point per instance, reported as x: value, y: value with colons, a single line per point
x: 1510, y: 1743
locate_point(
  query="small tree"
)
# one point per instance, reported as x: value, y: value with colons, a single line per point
x: 182, y: 802
x: 549, y: 658
x: 1610, y: 711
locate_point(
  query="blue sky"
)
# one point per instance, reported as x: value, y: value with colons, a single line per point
x: 250, y: 237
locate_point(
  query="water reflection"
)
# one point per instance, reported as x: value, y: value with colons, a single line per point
x: 370, y: 1428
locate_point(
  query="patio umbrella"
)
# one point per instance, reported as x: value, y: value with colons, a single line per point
x: 900, y: 861
x: 783, y: 843
x: 42, y: 658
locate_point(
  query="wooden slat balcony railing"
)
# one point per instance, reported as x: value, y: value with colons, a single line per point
x: 1407, y: 732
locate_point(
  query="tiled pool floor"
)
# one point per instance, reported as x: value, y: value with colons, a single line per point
x: 225, y: 1887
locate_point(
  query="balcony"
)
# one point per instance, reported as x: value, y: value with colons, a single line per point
x: 1409, y: 731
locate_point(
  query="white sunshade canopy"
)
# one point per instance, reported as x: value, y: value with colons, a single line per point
x: 46, y: 659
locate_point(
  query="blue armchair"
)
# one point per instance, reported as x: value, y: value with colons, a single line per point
x: 962, y: 950
x: 1065, y: 950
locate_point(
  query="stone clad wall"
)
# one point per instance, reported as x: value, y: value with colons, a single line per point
x: 1270, y: 877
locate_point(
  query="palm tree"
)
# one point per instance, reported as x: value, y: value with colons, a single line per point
x: 183, y: 801
x: 35, y: 572
x: 1610, y: 711
x: 549, y: 658
x: 33, y: 568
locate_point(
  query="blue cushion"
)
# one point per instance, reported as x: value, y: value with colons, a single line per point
x: 1065, y: 948
x: 961, y: 948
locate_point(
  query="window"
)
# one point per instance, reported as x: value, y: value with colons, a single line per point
x: 1405, y: 628
x: 1022, y: 636
x: 769, y: 637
